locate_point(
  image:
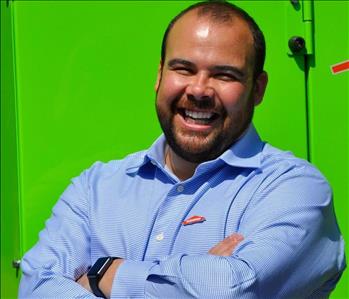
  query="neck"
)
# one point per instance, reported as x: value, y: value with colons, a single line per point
x: 180, y: 167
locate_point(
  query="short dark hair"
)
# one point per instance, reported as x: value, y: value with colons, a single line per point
x: 221, y: 11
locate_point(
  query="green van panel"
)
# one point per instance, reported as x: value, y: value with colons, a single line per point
x: 329, y: 111
x: 81, y: 78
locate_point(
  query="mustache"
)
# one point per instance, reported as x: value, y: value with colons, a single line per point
x: 191, y: 102
x: 203, y: 103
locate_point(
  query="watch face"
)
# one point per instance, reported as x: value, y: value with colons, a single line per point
x: 100, y: 266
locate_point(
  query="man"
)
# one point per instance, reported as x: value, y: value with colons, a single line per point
x: 209, y: 211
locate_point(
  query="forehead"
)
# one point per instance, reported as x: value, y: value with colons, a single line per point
x: 231, y: 40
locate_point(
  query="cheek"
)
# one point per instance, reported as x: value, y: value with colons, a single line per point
x: 171, y: 86
x: 169, y: 90
x: 234, y: 97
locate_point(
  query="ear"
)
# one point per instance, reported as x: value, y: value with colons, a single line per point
x: 158, y: 77
x: 259, y: 88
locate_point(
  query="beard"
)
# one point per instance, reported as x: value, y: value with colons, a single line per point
x: 198, y: 147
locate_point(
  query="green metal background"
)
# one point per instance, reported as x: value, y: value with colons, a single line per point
x: 10, y: 233
x: 78, y: 86
x: 329, y: 109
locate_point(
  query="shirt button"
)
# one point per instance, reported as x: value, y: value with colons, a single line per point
x: 159, y: 237
x: 180, y: 188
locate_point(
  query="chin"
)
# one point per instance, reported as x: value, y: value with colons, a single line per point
x: 196, y: 151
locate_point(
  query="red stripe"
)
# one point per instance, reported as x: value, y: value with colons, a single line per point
x: 340, y: 67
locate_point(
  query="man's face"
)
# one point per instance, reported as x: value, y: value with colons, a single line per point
x: 205, y: 91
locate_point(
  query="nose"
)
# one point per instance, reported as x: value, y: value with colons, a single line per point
x: 200, y: 87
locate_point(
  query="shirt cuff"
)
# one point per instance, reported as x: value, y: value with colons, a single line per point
x: 130, y: 278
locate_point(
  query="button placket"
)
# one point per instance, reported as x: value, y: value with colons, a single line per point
x: 164, y: 226
x: 180, y: 188
x: 160, y: 236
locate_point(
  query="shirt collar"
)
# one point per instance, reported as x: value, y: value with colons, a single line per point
x: 154, y: 155
x: 246, y: 152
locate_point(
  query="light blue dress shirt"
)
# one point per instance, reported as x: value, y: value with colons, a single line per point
x: 134, y: 209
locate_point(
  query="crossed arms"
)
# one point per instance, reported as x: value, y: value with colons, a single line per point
x: 283, y: 239
x: 223, y: 248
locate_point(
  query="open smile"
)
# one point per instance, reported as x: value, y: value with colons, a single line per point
x: 195, y: 120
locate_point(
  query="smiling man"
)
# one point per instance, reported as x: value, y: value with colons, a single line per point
x: 209, y: 210
x: 206, y: 88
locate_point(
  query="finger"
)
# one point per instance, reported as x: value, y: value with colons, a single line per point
x: 227, y: 245
x: 235, y: 238
x: 222, y: 248
x: 231, y: 241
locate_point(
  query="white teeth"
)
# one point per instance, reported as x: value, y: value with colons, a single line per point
x: 200, y: 115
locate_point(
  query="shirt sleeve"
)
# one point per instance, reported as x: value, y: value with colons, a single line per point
x: 62, y: 254
x: 292, y: 249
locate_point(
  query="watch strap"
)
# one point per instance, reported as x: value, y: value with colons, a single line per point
x: 96, y: 273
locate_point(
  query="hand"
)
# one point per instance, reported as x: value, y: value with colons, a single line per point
x: 106, y: 282
x: 83, y: 281
x: 226, y: 246
x: 223, y: 248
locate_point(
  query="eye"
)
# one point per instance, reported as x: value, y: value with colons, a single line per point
x: 183, y: 70
x: 225, y: 77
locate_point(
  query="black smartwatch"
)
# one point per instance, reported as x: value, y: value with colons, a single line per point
x: 96, y: 273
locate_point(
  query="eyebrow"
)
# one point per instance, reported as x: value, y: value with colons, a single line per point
x: 176, y: 61
x: 229, y: 69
